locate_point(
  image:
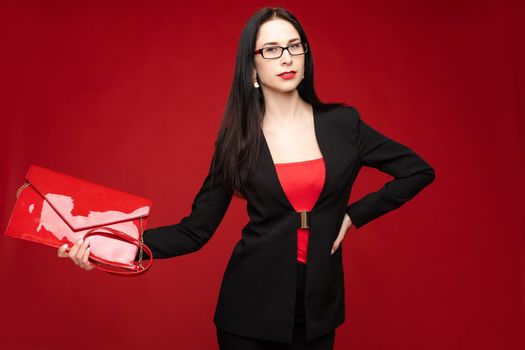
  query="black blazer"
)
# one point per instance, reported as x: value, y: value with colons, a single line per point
x: 257, y: 294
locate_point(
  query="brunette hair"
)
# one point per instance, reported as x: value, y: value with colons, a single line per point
x: 240, y: 134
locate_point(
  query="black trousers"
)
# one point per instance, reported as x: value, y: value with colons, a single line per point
x: 230, y: 341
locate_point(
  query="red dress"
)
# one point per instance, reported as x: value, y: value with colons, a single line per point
x: 302, y: 182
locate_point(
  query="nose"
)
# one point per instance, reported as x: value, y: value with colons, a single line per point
x: 286, y: 57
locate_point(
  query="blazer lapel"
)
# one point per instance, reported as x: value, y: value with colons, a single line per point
x: 268, y: 166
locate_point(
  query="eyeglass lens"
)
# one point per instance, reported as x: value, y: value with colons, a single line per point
x: 276, y: 51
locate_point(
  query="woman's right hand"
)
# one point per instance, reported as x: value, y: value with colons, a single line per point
x: 79, y: 253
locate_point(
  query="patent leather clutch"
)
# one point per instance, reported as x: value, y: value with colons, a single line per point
x: 54, y: 208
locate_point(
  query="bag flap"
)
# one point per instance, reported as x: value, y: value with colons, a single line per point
x: 83, y: 204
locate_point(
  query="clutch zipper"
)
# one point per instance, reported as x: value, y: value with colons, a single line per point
x: 23, y: 187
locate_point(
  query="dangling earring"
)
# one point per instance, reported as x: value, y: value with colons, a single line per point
x: 303, y: 76
x: 256, y: 83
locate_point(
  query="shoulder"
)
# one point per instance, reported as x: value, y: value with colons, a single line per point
x: 341, y: 116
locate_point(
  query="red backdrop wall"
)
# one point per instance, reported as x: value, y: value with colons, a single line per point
x: 130, y: 94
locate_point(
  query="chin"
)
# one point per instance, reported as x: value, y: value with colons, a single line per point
x: 284, y: 89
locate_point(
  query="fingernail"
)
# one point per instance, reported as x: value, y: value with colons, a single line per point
x: 332, y: 252
x: 80, y: 240
x: 64, y: 246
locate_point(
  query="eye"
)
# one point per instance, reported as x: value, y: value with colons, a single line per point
x: 271, y: 49
x: 296, y: 45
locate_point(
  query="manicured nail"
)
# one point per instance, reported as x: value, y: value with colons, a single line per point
x: 64, y: 246
x: 332, y: 252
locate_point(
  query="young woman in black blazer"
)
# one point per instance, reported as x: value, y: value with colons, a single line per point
x: 266, y: 300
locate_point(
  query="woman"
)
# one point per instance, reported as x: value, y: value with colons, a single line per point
x: 294, y: 160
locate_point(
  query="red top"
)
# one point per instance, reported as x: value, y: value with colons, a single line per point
x: 302, y: 182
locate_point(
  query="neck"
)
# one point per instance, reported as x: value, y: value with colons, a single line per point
x: 284, y: 108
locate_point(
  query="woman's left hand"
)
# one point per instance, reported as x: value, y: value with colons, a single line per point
x: 347, y: 223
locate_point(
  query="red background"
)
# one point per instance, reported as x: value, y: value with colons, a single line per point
x: 130, y: 94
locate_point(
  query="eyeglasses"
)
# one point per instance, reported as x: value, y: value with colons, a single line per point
x: 272, y: 52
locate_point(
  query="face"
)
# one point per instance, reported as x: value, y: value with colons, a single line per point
x: 267, y: 70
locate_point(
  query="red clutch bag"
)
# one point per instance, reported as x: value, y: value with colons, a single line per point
x: 53, y: 208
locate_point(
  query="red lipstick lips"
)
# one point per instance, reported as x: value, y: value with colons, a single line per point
x: 287, y: 75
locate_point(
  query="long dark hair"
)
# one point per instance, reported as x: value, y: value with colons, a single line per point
x: 240, y: 134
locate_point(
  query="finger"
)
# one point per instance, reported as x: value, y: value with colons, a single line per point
x: 81, y: 252
x: 74, y: 250
x: 85, y: 259
x: 61, y: 252
x: 91, y: 264
x: 335, y: 246
x: 338, y: 241
x: 349, y: 220
x: 88, y: 266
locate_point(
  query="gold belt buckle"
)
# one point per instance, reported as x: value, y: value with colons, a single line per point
x: 304, y: 218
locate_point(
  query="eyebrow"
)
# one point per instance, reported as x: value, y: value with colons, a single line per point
x: 276, y: 43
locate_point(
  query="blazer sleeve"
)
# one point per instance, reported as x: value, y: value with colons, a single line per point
x: 411, y: 172
x: 194, y: 230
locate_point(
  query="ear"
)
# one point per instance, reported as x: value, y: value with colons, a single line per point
x: 254, y: 75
